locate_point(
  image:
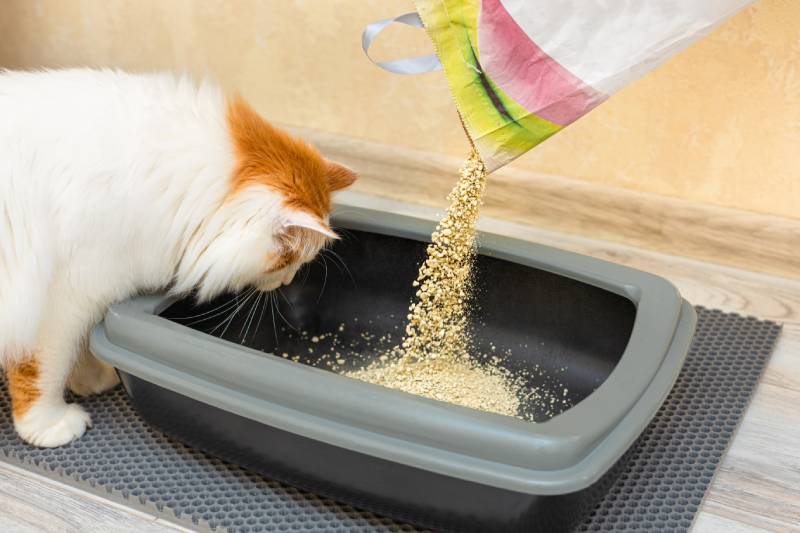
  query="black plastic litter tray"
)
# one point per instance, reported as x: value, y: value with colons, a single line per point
x: 610, y: 339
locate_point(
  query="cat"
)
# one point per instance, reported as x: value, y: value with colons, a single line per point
x: 112, y: 184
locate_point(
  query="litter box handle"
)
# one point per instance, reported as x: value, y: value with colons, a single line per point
x: 409, y: 65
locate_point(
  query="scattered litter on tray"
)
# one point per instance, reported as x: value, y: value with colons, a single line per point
x: 477, y: 382
x: 434, y: 355
x: 456, y: 380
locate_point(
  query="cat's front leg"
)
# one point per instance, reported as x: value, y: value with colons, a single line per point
x: 36, y: 380
x: 41, y: 416
x: 91, y: 375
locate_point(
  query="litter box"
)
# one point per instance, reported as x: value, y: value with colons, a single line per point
x: 606, y: 340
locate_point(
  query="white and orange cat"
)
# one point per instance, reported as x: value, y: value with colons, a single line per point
x: 114, y: 183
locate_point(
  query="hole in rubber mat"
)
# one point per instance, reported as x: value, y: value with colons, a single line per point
x: 562, y: 336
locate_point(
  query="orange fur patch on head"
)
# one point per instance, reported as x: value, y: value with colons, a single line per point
x: 23, y: 385
x: 269, y: 156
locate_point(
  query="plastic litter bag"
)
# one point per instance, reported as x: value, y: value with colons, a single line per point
x: 521, y: 70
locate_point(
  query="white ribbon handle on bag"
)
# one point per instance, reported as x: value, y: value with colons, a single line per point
x: 410, y: 65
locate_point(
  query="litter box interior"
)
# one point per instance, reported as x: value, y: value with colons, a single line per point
x: 349, y: 307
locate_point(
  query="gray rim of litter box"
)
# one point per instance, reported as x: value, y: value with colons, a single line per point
x: 564, y: 454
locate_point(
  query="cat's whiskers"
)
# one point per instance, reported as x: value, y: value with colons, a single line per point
x: 227, y: 322
x: 339, y: 261
x: 217, y: 310
x: 345, y: 234
x: 251, y: 315
x: 287, y: 300
x: 325, y: 277
x: 274, y: 326
x: 278, y: 309
x: 260, y: 315
x: 306, y: 271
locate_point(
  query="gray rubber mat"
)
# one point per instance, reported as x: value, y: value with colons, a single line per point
x: 122, y: 458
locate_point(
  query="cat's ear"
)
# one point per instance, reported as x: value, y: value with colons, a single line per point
x: 302, y: 219
x: 339, y: 176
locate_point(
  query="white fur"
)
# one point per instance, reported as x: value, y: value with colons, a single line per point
x: 111, y: 184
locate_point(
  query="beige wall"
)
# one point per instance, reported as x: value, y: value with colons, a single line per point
x: 719, y: 123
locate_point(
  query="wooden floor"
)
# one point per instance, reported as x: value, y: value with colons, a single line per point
x: 757, y: 487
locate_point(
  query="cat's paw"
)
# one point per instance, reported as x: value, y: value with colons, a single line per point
x: 94, y: 379
x: 52, y: 426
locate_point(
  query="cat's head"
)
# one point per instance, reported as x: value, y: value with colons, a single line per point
x: 275, y: 217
